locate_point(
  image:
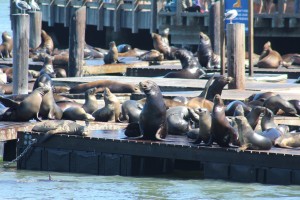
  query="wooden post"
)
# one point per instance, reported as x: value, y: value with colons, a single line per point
x: 250, y: 37
x: 20, y: 53
x: 76, y: 42
x: 178, y: 12
x: 222, y: 38
x: 100, y: 16
x: 35, y: 29
x: 214, y: 27
x: 134, y: 11
x: 117, y: 14
x: 153, y: 26
x: 236, y: 55
x: 51, y: 14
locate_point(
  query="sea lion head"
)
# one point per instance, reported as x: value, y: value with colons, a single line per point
x: 112, y: 44
x: 149, y: 87
x: 166, y: 32
x: 267, y: 46
x: 239, y: 111
x: 91, y: 91
x: 6, y: 37
x: 43, y: 90
x: 109, y: 97
x: 218, y: 100
x: 155, y: 36
x: 136, y: 88
x: 203, y: 37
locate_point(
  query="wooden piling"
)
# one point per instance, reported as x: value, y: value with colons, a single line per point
x: 76, y: 42
x: 35, y: 28
x: 222, y: 37
x: 178, y: 13
x: 250, y: 38
x: 214, y: 27
x: 117, y: 15
x: 20, y: 53
x: 135, y: 6
x: 153, y: 26
x: 236, y: 55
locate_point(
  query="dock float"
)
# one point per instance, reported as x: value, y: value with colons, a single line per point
x: 108, y: 153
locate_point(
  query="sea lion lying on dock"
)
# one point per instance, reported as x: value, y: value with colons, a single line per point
x: 114, y: 87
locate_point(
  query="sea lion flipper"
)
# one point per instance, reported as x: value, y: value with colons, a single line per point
x: 132, y: 130
x: 161, y: 132
x: 9, y: 102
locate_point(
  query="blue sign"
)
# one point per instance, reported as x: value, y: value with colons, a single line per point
x: 241, y: 6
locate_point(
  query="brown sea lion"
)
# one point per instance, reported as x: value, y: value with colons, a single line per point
x: 205, y: 54
x: 204, y: 126
x: 90, y: 104
x: 160, y: 45
x: 269, y: 58
x: 288, y: 140
x: 6, y: 46
x: 248, y: 139
x: 221, y: 131
x: 152, y: 55
x: 60, y: 73
x: 152, y: 121
x: 47, y: 42
x: 112, y: 109
x: 114, y: 87
x: 112, y: 55
x: 292, y: 58
x: 25, y: 110
x: 191, y: 68
x: 168, y: 102
x: 77, y: 113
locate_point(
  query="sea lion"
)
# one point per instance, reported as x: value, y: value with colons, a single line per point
x: 258, y: 96
x: 60, y: 73
x: 275, y: 103
x: 47, y: 42
x: 25, y: 110
x: 65, y: 104
x: 152, y: 55
x: 132, y: 53
x: 288, y: 140
x: 112, y: 55
x: 204, y: 126
x: 292, y: 58
x: 131, y: 111
x: 168, y: 102
x: 191, y: 68
x: 90, y: 104
x: 205, y: 53
x: 111, y: 110
x: 61, y: 89
x: 253, y: 116
x: 122, y: 48
x: 179, y: 118
x: 269, y: 58
x: 6, y: 46
x: 77, y: 113
x: 248, y: 139
x: 113, y: 86
x: 152, y: 121
x: 221, y: 131
x: 165, y: 35
x: 230, y: 108
x: 160, y: 45
x: 48, y: 67
x: 267, y: 121
x: 296, y: 104
x: 217, y: 86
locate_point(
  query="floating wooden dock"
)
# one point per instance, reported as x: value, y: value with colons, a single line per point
x: 108, y: 153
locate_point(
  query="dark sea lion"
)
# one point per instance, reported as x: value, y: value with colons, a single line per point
x: 217, y: 86
x: 90, y: 104
x: 253, y: 116
x: 248, y: 139
x: 160, y: 45
x: 111, y: 110
x: 61, y: 59
x: 292, y: 58
x: 230, y: 108
x: 49, y: 109
x: 258, y: 96
x: 204, y: 126
x: 269, y: 58
x: 152, y: 122
x: 152, y: 55
x: 221, y: 131
x: 112, y: 55
x: 296, y: 104
x: 275, y: 103
x: 122, y: 48
x: 48, y: 67
x: 95, y: 52
x: 25, y: 110
x: 114, y: 87
x: 43, y: 80
x: 77, y: 113
x: 191, y: 68
x: 131, y: 111
x: 288, y: 140
x: 205, y: 53
x: 168, y: 102
x: 179, y: 118
x: 267, y: 121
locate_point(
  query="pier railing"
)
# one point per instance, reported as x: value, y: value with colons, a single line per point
x: 150, y: 14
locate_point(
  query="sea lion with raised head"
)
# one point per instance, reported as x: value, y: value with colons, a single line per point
x: 152, y: 121
x: 160, y: 45
x: 204, y: 126
x: 90, y: 104
x: 112, y: 55
x: 191, y: 68
x: 248, y: 139
x: 111, y: 110
x: 269, y: 58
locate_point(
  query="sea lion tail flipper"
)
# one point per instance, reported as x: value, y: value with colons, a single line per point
x: 244, y: 147
x: 207, y: 85
x: 132, y: 130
